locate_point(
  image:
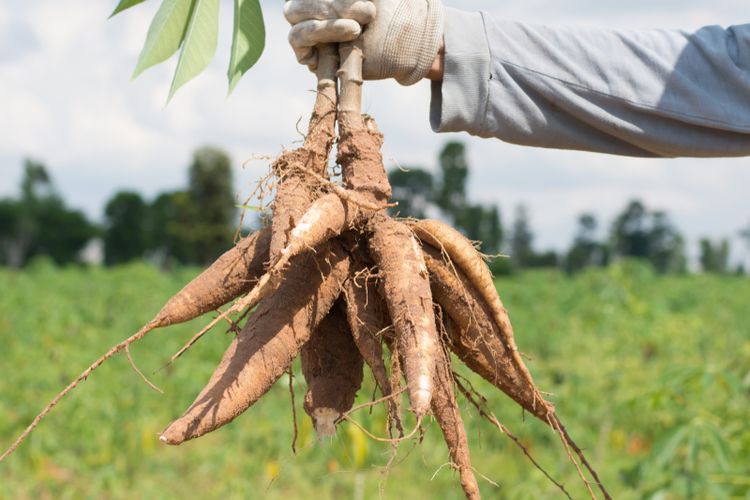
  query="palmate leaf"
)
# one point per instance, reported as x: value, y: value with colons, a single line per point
x: 248, y: 39
x: 199, y: 42
x: 125, y: 5
x: 192, y: 26
x: 167, y: 30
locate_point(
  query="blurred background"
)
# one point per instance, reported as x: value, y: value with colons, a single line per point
x: 625, y: 278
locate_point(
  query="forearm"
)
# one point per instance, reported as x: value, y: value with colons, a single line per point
x: 647, y: 93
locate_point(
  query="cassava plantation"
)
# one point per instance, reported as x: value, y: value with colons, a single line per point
x: 651, y: 372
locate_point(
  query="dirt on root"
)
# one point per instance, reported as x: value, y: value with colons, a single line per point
x: 406, y: 289
x: 446, y: 412
x: 231, y: 275
x: 332, y: 367
x: 474, y: 336
x: 266, y: 346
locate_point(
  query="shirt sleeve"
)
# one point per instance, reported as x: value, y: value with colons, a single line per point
x: 661, y: 93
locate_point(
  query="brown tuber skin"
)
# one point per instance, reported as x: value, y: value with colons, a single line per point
x: 268, y: 343
x: 332, y: 367
x: 461, y: 252
x: 407, y: 292
x: 368, y: 318
x: 445, y: 411
x: 474, y: 336
x: 233, y: 274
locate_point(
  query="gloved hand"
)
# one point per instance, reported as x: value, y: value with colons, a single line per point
x: 400, y: 41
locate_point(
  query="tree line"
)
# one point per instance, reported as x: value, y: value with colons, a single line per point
x: 196, y: 224
x: 193, y: 225
x: 638, y: 232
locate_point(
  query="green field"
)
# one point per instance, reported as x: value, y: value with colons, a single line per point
x: 650, y: 374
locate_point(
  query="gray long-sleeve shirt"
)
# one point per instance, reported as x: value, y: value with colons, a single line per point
x: 637, y: 93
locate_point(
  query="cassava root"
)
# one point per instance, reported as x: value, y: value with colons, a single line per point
x: 333, y: 279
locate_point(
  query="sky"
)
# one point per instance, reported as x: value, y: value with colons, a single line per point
x: 67, y: 99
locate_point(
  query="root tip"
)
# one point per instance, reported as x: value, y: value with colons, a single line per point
x: 420, y: 402
x: 171, y: 437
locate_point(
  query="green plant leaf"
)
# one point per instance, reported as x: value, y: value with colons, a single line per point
x: 666, y: 448
x: 199, y: 44
x: 165, y: 34
x: 125, y: 5
x: 248, y: 39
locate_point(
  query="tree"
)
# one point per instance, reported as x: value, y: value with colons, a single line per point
x: 39, y: 223
x: 167, y: 215
x: 482, y: 223
x: 454, y: 170
x: 412, y: 190
x: 714, y: 257
x: 586, y: 251
x: 745, y: 235
x: 417, y: 192
x: 125, y: 234
x: 521, y: 240
x: 640, y: 233
x: 11, y: 249
x: 629, y: 233
x: 666, y: 246
x: 211, y: 204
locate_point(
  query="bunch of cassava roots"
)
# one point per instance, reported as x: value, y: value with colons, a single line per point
x: 333, y: 279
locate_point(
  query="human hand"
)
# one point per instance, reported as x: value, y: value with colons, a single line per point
x: 401, y: 38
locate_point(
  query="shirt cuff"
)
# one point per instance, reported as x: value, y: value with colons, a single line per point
x: 459, y: 101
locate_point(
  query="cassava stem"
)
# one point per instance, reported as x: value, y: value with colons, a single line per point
x: 294, y: 193
x: 359, y: 139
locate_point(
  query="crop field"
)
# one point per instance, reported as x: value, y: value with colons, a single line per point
x: 650, y: 374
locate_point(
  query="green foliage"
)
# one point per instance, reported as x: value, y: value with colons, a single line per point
x: 481, y: 223
x: 60, y: 233
x: 125, y: 5
x: 125, y: 235
x: 248, y: 39
x: 521, y: 244
x: 650, y: 374
x: 39, y: 223
x: 165, y: 35
x: 454, y: 170
x: 638, y: 232
x: 522, y: 239
x: 192, y: 25
x: 412, y: 190
x: 714, y: 257
x: 586, y: 251
x: 198, y: 43
x: 418, y: 194
x: 210, y: 223
x: 168, y: 216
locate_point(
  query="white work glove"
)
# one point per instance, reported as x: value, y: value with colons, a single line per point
x: 400, y: 41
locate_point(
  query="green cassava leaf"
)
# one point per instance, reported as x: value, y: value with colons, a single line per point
x: 165, y: 34
x: 125, y: 5
x: 199, y: 42
x: 248, y: 39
